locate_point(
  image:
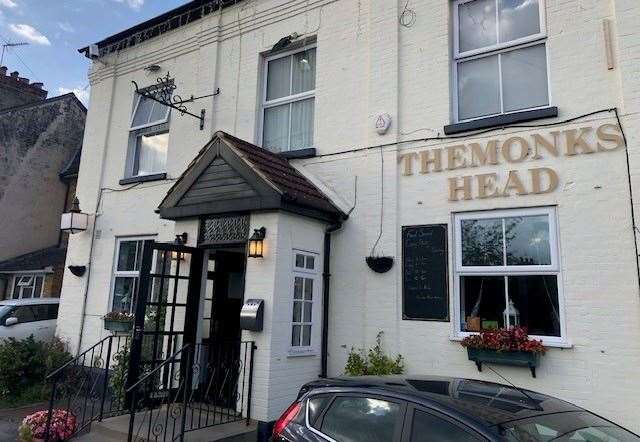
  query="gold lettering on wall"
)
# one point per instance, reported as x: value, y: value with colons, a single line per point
x: 514, y: 150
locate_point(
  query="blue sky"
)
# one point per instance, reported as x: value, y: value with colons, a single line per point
x: 55, y: 29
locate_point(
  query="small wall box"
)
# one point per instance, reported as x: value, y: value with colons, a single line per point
x: 252, y: 315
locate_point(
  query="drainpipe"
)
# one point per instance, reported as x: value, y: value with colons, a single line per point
x: 326, y: 279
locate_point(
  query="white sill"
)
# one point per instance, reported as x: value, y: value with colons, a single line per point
x: 293, y: 353
x: 552, y: 344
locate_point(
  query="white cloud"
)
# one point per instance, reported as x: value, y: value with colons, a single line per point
x: 66, y: 27
x: 30, y: 33
x: 8, y: 3
x: 81, y: 92
x: 133, y: 4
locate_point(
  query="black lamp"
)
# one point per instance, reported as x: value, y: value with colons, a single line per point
x: 179, y: 241
x: 256, y: 243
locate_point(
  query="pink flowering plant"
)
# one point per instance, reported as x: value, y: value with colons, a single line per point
x: 63, y: 425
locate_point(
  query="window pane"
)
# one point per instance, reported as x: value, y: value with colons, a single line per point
x: 307, y: 311
x: 478, y: 88
x: 302, y: 123
x: 276, y: 128
x: 295, y: 336
x: 278, y: 78
x: 310, y: 262
x: 439, y: 430
x: 304, y: 71
x: 355, y: 419
x: 297, y: 287
x: 524, y: 78
x: 306, y: 335
x: 477, y: 24
x: 535, y: 298
x: 308, y: 289
x: 297, y: 311
x: 124, y: 289
x: 482, y: 301
x: 482, y: 242
x: 151, y: 154
x: 143, y: 112
x: 159, y: 113
x: 518, y: 18
x: 127, y: 255
x: 299, y: 260
x: 527, y: 240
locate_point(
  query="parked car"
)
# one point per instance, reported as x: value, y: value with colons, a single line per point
x: 416, y: 409
x: 20, y: 318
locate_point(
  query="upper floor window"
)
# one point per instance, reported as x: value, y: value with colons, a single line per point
x: 148, y: 138
x: 289, y: 100
x: 500, y: 57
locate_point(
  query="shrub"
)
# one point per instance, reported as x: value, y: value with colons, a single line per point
x: 373, y: 362
x: 24, y: 366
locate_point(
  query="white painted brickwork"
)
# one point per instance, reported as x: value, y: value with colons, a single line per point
x: 367, y: 63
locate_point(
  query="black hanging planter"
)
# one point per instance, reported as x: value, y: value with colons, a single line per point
x: 78, y: 270
x: 380, y: 264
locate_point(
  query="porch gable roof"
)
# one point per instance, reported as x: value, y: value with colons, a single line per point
x: 232, y: 175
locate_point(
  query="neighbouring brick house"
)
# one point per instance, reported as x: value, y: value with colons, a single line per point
x: 40, y: 149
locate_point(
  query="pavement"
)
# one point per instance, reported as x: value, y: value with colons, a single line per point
x: 10, y: 419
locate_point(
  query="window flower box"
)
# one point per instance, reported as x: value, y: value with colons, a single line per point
x: 118, y: 322
x: 508, y: 346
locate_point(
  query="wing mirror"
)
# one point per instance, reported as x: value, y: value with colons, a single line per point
x: 11, y: 321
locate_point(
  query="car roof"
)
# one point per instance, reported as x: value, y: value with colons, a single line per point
x: 484, y: 402
x: 30, y: 301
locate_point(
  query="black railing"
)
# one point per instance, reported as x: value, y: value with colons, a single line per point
x: 91, y: 386
x: 197, y: 387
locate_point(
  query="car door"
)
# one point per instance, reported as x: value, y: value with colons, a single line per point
x: 361, y: 418
x: 26, y: 322
x: 426, y: 425
x: 44, y: 325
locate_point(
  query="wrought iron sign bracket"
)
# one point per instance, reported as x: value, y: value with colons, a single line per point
x: 163, y: 92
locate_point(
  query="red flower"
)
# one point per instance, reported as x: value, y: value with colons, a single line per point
x: 506, y: 339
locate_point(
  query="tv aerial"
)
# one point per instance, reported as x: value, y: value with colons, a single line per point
x: 8, y: 45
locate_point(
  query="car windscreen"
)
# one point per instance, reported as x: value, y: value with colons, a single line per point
x: 4, y: 310
x: 563, y: 427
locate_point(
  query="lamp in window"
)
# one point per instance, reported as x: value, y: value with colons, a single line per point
x: 179, y: 241
x: 74, y: 221
x: 256, y: 243
x: 511, y: 315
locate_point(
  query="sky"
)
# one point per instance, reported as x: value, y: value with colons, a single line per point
x: 56, y: 29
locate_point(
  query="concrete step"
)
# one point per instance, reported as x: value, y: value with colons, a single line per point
x: 116, y: 430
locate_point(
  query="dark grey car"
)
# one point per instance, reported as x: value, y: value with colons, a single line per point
x: 412, y: 409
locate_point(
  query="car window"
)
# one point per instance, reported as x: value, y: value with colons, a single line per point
x: 41, y: 312
x: 572, y: 426
x: 427, y: 427
x: 316, y: 406
x: 24, y: 313
x: 361, y: 419
x: 52, y: 311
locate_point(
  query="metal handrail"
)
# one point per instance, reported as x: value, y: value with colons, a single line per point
x: 155, y: 370
x: 59, y: 369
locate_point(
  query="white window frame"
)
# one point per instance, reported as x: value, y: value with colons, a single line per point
x: 553, y: 269
x: 115, y: 273
x: 496, y: 49
x: 305, y: 273
x: 32, y: 283
x: 149, y: 124
x: 266, y: 104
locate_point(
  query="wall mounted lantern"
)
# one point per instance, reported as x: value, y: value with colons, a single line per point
x: 74, y: 221
x: 179, y: 241
x: 256, y: 243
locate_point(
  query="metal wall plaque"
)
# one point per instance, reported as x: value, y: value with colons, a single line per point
x: 224, y: 229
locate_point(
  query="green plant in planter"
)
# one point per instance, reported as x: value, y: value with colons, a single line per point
x: 373, y: 361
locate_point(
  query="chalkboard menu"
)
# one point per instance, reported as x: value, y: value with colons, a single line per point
x: 425, y: 288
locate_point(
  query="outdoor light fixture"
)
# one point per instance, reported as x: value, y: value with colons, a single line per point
x: 256, y: 243
x: 74, y: 221
x: 179, y: 241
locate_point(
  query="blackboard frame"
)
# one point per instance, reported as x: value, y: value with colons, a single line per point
x: 447, y: 317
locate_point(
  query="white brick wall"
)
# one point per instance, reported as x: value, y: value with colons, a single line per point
x: 367, y: 63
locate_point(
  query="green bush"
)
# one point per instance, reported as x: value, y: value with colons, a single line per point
x: 373, y: 362
x: 24, y: 366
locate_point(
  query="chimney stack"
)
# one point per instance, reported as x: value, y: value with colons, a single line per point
x: 17, y: 91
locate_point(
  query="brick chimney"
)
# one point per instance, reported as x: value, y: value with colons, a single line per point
x: 17, y: 91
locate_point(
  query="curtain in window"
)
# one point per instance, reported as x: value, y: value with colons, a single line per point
x: 302, y: 124
x: 276, y: 128
x: 151, y: 153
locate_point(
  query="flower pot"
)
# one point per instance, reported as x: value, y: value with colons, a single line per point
x: 118, y: 326
x: 513, y: 358
x: 379, y: 264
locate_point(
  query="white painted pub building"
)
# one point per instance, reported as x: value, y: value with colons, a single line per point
x: 483, y: 154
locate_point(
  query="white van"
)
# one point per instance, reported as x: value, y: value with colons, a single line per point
x: 20, y: 318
